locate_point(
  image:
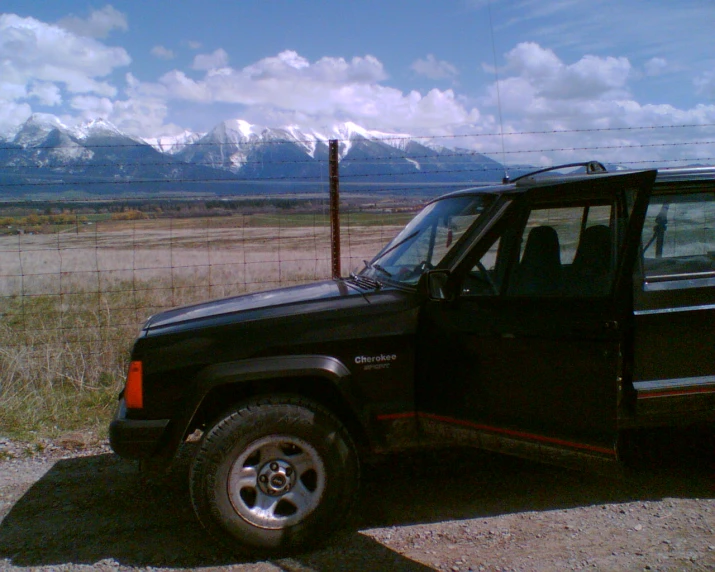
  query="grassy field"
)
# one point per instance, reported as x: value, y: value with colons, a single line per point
x: 72, y: 301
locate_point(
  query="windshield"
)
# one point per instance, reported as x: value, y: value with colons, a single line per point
x: 427, y: 239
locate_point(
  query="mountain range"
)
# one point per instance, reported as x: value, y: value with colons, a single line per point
x: 45, y: 156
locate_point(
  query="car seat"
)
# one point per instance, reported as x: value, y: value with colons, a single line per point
x: 591, y: 269
x: 539, y: 272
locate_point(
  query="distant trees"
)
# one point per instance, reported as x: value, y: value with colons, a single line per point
x: 39, y: 223
x: 129, y: 214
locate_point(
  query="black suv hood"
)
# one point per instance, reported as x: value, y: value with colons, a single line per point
x: 282, y: 301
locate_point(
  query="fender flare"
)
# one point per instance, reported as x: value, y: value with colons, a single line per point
x: 254, y: 369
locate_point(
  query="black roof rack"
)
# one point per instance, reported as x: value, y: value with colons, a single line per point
x: 591, y: 167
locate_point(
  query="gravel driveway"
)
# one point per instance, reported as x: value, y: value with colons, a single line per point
x: 74, y: 506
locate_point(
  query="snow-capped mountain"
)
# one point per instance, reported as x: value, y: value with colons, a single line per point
x: 350, y: 132
x: 233, y: 139
x: 257, y: 152
x: 97, y: 156
x: 260, y: 152
x: 172, y: 144
x: 99, y: 128
x: 47, y: 156
x: 37, y: 128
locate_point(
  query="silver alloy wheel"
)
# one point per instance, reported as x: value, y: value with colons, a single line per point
x: 276, y: 481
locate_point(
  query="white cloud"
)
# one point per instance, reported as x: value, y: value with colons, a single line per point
x: 162, y: 53
x: 540, y: 92
x: 360, y: 70
x: 590, y: 77
x: 649, y: 28
x: 432, y: 68
x: 542, y: 86
x: 655, y: 66
x: 177, y: 85
x: 92, y: 107
x: 98, y: 25
x: 39, y: 61
x: 217, y: 59
x: 290, y: 66
x: 13, y: 83
x: 142, y: 113
x: 194, y: 45
x: 46, y: 93
x: 143, y: 117
x: 321, y: 91
x: 557, y: 112
x: 705, y: 84
x: 12, y: 114
x: 34, y: 51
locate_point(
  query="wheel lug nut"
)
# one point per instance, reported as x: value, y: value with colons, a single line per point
x: 263, y: 478
x: 274, y: 466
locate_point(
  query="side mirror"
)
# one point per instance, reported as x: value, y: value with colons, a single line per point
x: 438, y: 285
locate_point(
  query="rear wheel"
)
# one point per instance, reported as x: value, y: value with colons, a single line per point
x: 274, y: 475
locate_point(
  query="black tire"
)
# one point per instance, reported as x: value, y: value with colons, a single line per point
x: 274, y: 475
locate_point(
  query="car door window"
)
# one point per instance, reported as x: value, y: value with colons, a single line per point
x: 562, y: 251
x: 679, y: 239
x: 484, y: 278
x: 566, y: 251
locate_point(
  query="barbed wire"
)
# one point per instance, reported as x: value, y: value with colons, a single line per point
x: 397, y: 137
x: 25, y: 303
x: 387, y: 137
x: 43, y: 305
x: 346, y: 162
x: 304, y: 178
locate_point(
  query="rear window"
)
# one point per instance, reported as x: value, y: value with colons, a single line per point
x: 679, y: 237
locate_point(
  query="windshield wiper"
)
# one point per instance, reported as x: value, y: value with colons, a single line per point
x: 376, y: 266
x: 364, y: 282
x: 393, y: 247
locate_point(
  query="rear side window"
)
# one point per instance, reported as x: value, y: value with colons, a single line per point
x: 679, y: 237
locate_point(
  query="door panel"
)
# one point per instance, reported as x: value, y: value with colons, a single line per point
x: 511, y: 363
x: 536, y: 354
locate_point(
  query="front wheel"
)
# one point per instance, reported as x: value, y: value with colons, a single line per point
x: 274, y: 475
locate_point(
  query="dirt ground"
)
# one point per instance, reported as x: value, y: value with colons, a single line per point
x: 72, y: 505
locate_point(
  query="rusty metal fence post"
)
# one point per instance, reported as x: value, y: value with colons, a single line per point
x: 334, y: 208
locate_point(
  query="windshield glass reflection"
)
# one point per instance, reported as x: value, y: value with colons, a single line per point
x: 427, y: 239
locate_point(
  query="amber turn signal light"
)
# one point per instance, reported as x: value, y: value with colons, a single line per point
x: 134, y: 392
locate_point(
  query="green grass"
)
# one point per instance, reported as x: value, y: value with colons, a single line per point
x: 62, y: 365
x: 63, y: 358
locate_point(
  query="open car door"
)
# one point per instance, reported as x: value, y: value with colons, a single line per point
x: 524, y: 355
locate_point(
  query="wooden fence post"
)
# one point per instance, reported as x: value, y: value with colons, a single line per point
x: 334, y: 208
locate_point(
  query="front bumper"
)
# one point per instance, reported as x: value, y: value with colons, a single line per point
x: 133, y: 438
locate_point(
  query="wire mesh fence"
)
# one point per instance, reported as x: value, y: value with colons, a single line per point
x: 78, y: 276
x: 83, y: 281
x: 97, y: 236
x: 74, y: 293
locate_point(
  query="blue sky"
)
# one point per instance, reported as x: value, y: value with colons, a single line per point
x: 634, y: 68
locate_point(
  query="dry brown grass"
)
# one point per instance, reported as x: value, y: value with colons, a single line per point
x: 71, y: 303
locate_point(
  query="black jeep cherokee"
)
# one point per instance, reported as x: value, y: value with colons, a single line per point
x: 540, y: 318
